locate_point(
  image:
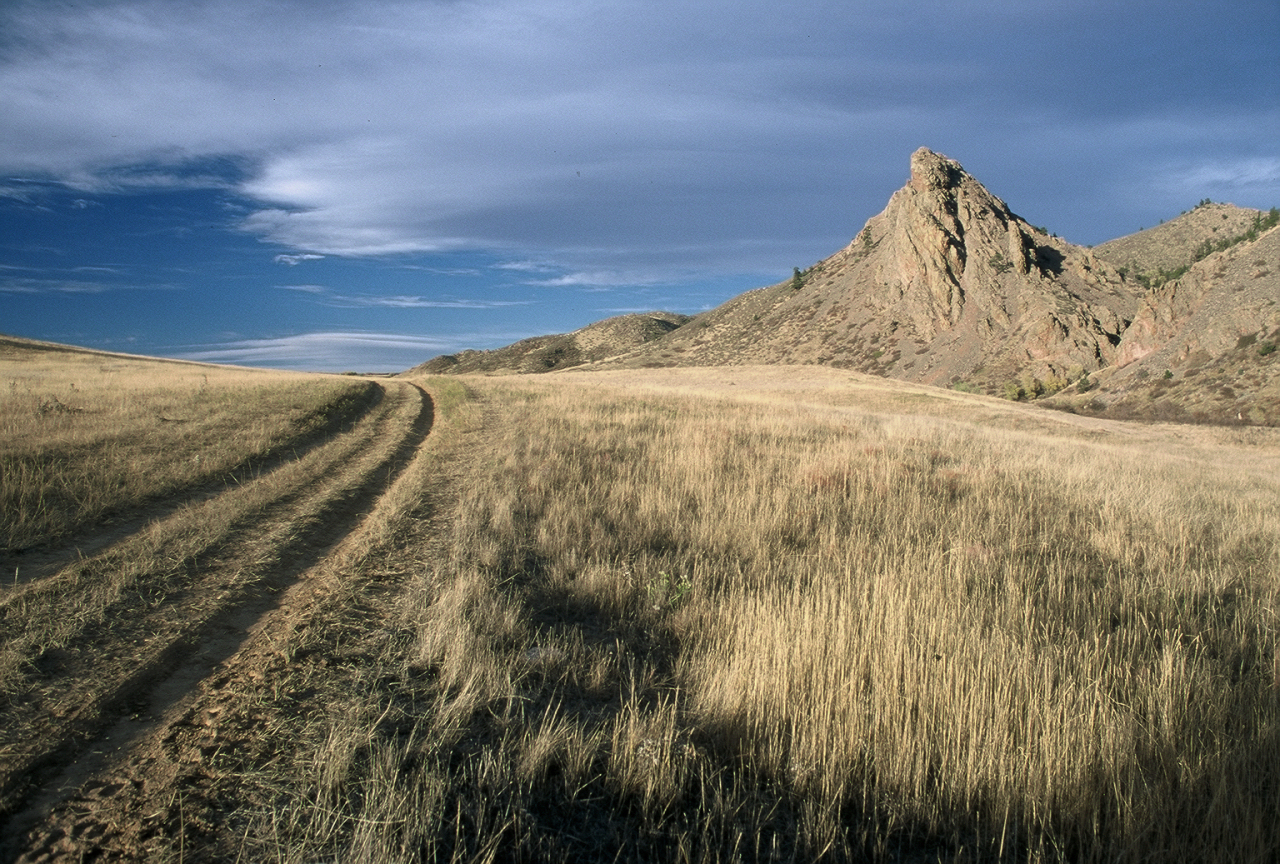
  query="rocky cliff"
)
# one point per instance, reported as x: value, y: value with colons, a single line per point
x: 945, y: 285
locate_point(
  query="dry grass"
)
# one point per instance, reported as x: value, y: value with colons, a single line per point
x: 823, y: 618
x: 84, y: 436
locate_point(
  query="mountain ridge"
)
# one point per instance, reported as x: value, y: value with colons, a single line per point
x: 948, y: 286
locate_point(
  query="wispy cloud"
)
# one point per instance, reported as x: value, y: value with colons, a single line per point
x: 336, y: 299
x: 294, y: 260
x: 325, y: 352
x: 598, y: 279
x: 56, y: 286
x: 1238, y: 174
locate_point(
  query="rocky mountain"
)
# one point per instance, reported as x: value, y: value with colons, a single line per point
x: 945, y: 286
x: 948, y: 286
x: 1202, y: 347
x: 597, y: 341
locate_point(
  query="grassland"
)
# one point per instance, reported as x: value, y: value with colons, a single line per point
x: 747, y: 614
x: 85, y: 436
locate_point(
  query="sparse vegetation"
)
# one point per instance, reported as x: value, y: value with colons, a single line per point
x: 1159, y: 276
x: 1261, y: 222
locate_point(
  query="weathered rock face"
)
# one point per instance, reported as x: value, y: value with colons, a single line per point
x: 1229, y: 295
x: 945, y: 284
x: 980, y: 286
x: 1202, y: 347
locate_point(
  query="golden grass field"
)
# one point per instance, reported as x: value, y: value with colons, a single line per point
x: 746, y: 614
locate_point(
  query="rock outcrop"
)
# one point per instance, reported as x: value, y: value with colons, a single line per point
x: 945, y: 285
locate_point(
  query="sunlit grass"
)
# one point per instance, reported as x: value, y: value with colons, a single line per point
x: 673, y: 621
x: 86, y: 435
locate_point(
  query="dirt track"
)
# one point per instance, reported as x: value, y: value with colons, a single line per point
x: 92, y: 742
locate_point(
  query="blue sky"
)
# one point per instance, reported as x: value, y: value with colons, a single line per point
x: 364, y: 185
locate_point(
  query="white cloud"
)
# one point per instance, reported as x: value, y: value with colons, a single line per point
x: 598, y: 279
x: 1239, y: 174
x: 294, y: 260
x: 326, y: 352
x: 328, y: 297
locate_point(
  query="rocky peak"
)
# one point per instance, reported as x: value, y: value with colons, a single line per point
x: 938, y: 226
x: 946, y: 284
x: 933, y: 171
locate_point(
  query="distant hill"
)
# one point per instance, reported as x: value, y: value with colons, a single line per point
x: 1154, y: 254
x: 607, y: 338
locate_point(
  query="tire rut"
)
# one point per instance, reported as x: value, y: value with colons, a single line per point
x: 204, y: 624
x: 31, y: 565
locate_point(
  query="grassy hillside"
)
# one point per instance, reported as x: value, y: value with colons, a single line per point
x: 607, y: 338
x: 1155, y: 255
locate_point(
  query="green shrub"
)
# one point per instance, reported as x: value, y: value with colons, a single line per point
x: 1052, y: 384
x: 1032, y: 387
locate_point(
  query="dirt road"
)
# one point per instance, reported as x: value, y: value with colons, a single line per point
x: 168, y: 620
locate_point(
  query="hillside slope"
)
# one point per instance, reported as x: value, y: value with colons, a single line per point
x: 597, y: 341
x: 1201, y: 347
x: 1174, y: 244
x: 945, y: 285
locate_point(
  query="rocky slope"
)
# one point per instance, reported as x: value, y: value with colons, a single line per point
x: 946, y: 285
x: 597, y: 341
x: 1201, y: 347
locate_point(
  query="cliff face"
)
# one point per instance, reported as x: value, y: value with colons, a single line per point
x: 946, y: 284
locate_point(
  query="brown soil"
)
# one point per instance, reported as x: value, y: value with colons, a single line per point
x: 93, y: 757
